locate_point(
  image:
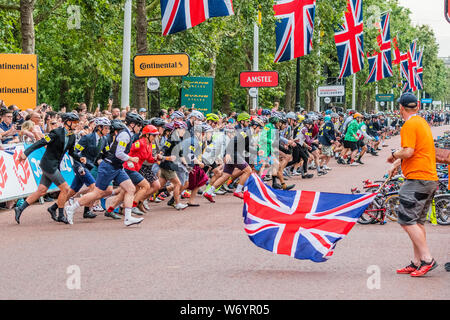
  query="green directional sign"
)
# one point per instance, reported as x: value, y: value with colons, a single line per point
x: 384, y: 97
x: 198, y: 92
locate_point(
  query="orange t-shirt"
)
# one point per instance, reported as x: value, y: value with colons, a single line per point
x: 416, y: 134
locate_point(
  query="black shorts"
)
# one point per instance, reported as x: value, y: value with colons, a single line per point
x: 360, y: 143
x: 352, y: 145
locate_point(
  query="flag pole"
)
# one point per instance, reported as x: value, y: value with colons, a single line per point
x: 125, y: 96
x: 354, y: 92
x: 297, y: 90
x: 255, y: 59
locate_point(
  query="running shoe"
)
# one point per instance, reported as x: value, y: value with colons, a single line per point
x: 424, y: 268
x: 209, y: 197
x: 180, y: 206
x: 239, y: 195
x: 408, y: 269
x: 132, y: 220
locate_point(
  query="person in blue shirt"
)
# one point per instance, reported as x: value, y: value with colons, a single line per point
x: 8, y: 130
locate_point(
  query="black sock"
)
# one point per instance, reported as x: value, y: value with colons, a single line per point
x: 24, y: 205
x: 61, y: 212
x: 54, y: 206
x: 86, y: 209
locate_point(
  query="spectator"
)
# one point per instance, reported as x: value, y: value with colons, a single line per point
x: 26, y: 133
x: 143, y: 113
x: 37, y: 130
x: 8, y: 131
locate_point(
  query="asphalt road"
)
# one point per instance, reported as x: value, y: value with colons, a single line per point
x: 204, y: 254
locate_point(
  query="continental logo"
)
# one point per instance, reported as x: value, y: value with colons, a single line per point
x: 26, y: 90
x: 20, y: 66
x: 161, y: 65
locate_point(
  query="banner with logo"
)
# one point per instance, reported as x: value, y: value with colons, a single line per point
x: 16, y: 178
x: 65, y: 167
x: 198, y: 92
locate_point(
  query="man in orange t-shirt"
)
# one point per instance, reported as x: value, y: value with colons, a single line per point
x: 417, y: 159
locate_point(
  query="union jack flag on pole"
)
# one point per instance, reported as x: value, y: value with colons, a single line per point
x: 404, y: 72
x: 180, y: 15
x: 380, y: 64
x: 349, y: 40
x: 294, y: 31
x: 419, y: 70
x: 412, y: 66
x: 300, y: 224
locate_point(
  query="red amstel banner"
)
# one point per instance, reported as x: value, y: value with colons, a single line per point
x: 259, y: 79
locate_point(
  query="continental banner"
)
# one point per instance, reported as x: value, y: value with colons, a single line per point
x: 18, y: 80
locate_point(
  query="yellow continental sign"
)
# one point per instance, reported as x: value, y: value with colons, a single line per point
x: 18, y: 80
x: 161, y: 65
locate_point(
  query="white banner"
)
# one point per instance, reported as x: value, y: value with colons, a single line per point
x: 331, y: 91
x: 16, y: 177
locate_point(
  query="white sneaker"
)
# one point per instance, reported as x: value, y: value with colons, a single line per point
x: 132, y: 220
x: 97, y: 208
x: 146, y: 205
x: 180, y: 206
x: 69, y: 214
x: 326, y: 168
x: 354, y: 164
x: 137, y: 211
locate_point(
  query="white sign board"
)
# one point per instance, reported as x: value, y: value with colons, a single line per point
x: 331, y: 91
x: 16, y: 177
x: 153, y: 84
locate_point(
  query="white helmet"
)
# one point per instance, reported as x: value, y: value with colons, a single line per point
x: 196, y: 114
x: 103, y: 121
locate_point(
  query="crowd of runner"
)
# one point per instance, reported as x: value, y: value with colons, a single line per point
x: 124, y: 160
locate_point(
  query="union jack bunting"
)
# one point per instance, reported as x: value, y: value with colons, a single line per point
x: 380, y: 64
x: 294, y: 30
x: 300, y: 224
x: 349, y: 40
x: 180, y: 15
x: 419, y: 70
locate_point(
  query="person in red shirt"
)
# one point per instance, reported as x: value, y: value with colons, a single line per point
x: 141, y: 149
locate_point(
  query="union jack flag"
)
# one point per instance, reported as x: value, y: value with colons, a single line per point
x: 300, y: 224
x: 396, y: 52
x: 380, y: 64
x: 294, y: 31
x: 404, y: 71
x: 180, y: 15
x: 350, y: 40
x: 419, y: 70
x: 412, y: 66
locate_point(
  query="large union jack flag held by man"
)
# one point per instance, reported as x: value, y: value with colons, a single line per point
x: 380, y: 64
x: 300, y: 224
x: 294, y: 31
x: 349, y: 40
x: 179, y: 15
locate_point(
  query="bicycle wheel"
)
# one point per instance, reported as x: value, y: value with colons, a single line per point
x: 370, y: 217
x: 442, y: 204
x: 391, y: 204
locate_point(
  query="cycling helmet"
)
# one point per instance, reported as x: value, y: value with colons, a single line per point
x: 149, y: 129
x: 117, y: 125
x: 291, y: 115
x: 327, y: 118
x: 179, y: 125
x: 196, y: 114
x: 69, y: 116
x: 157, y: 122
x: 244, y: 116
x: 335, y: 115
x: 358, y: 115
x: 266, y: 112
x: 103, y: 121
x: 212, y: 117
x: 177, y: 115
x: 307, y: 121
x: 257, y: 122
x: 133, y: 118
x: 207, y: 128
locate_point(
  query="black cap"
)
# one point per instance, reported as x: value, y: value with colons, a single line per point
x: 408, y: 100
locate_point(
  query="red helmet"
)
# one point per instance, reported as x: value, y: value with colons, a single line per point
x: 150, y: 129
